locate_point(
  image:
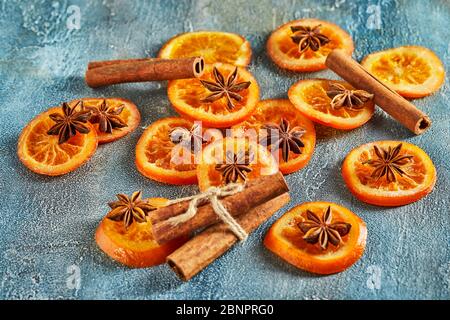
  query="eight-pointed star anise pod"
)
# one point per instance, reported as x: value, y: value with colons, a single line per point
x: 107, y: 117
x: 284, y: 137
x: 389, y: 163
x: 236, y: 166
x: 343, y: 97
x: 129, y: 209
x: 307, y: 37
x: 192, y: 138
x: 221, y: 88
x: 69, y: 123
x: 322, y: 230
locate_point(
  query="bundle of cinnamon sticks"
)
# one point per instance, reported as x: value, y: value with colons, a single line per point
x: 259, y: 200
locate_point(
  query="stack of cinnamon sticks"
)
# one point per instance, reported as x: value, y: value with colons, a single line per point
x: 258, y: 201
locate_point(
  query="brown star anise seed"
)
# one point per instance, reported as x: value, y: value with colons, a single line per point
x: 389, y: 163
x: 70, y: 122
x: 129, y: 209
x: 221, y: 88
x: 343, y: 97
x: 322, y: 230
x: 308, y: 37
x: 107, y: 117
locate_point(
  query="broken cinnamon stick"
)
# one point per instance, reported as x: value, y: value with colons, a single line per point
x: 256, y: 192
x: 104, y: 73
x: 398, y: 107
x: 204, y: 248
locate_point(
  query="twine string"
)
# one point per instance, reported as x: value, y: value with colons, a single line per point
x: 213, y: 196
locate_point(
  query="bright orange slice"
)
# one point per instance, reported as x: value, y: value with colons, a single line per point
x: 319, y: 237
x: 389, y: 173
x: 412, y: 71
x: 310, y: 98
x: 231, y: 160
x: 297, y: 53
x: 134, y: 246
x: 41, y: 152
x: 169, y: 149
x: 129, y: 116
x: 213, y: 46
x: 289, y: 135
x: 193, y: 99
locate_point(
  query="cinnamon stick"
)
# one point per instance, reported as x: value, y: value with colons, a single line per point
x: 398, y: 107
x: 204, y: 248
x: 256, y: 192
x: 97, y: 64
x: 103, y: 73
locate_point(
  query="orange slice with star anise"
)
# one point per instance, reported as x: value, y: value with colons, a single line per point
x: 113, y: 118
x: 233, y: 160
x: 125, y: 234
x: 169, y: 150
x: 412, y: 71
x: 57, y: 141
x: 332, y: 103
x: 213, y: 46
x: 319, y: 237
x: 223, y: 96
x: 289, y: 135
x: 303, y: 45
x: 389, y: 173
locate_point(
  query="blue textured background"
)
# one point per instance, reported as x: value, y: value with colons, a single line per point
x: 47, y: 224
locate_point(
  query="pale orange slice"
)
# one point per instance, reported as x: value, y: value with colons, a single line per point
x: 41, y: 152
x: 412, y: 71
x: 213, y: 46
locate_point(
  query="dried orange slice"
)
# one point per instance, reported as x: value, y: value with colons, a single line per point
x: 213, y: 46
x: 41, y: 152
x: 389, y: 173
x: 412, y: 71
x: 118, y: 116
x: 233, y: 160
x: 289, y: 135
x: 303, y: 45
x: 201, y: 99
x: 135, y: 246
x: 168, y: 150
x: 310, y: 98
x: 319, y: 237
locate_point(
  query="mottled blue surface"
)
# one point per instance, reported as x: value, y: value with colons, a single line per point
x: 47, y: 224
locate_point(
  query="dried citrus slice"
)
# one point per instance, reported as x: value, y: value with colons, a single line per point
x: 213, y: 46
x: 118, y: 117
x: 134, y: 246
x: 310, y: 98
x: 233, y: 160
x: 289, y: 135
x: 42, y: 153
x: 389, y: 173
x: 319, y: 237
x: 222, y: 97
x: 303, y: 45
x: 412, y: 71
x: 169, y: 148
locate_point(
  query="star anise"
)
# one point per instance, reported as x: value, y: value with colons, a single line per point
x: 129, y: 209
x: 236, y: 166
x: 192, y: 138
x: 308, y: 37
x: 284, y: 137
x: 221, y: 88
x: 322, y: 230
x: 343, y: 97
x: 389, y: 163
x: 107, y: 117
x: 69, y: 123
